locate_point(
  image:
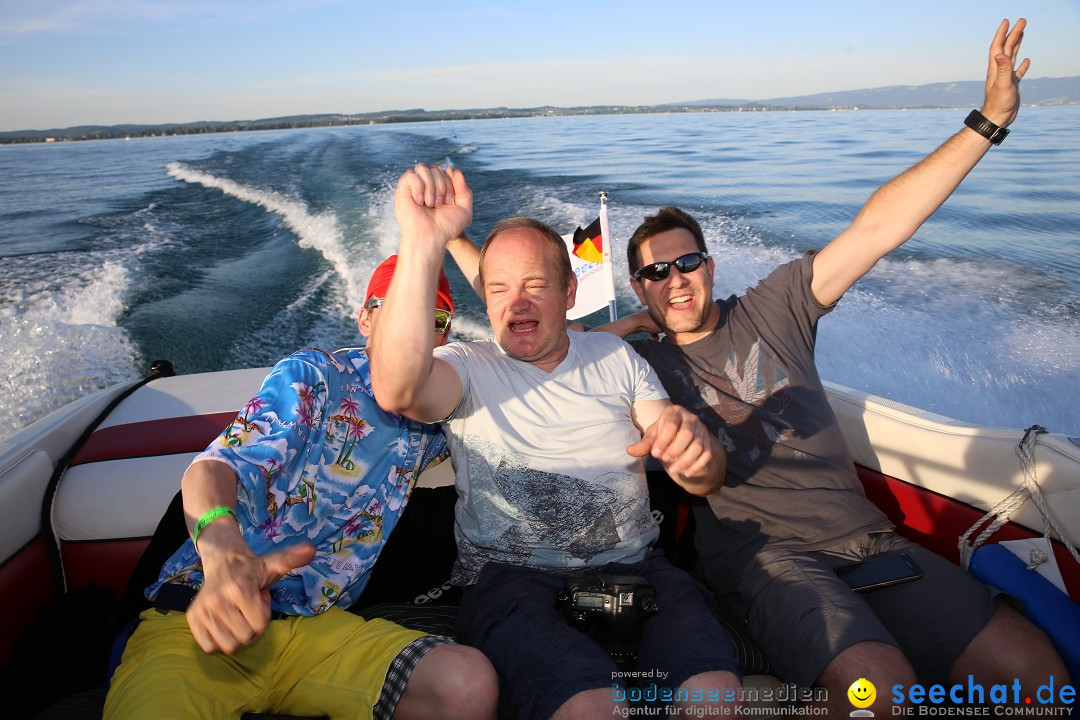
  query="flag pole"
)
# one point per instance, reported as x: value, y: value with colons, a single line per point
x: 609, y: 274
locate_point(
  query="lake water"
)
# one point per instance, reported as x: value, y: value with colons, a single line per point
x: 232, y: 250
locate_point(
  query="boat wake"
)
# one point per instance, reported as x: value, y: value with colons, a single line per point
x: 60, y: 335
x: 317, y: 231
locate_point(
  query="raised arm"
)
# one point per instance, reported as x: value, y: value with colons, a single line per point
x: 690, y: 455
x: 467, y: 257
x: 897, y: 209
x: 432, y: 205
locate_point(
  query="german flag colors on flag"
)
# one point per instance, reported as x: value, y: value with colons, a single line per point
x: 589, y: 244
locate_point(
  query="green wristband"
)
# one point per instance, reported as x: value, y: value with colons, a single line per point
x: 208, y: 517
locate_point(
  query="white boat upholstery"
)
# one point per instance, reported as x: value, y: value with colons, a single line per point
x: 184, y: 395
x: 117, y: 498
x: 975, y: 465
x: 123, y: 497
x: 27, y: 461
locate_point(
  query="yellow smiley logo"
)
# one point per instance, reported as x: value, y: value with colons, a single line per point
x: 862, y: 693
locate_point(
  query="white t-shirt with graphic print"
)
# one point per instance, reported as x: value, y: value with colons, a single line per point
x: 543, y: 475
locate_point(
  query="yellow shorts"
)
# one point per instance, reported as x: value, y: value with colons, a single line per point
x: 334, y: 663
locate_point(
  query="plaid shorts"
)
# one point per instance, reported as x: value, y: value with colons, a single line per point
x: 397, y: 676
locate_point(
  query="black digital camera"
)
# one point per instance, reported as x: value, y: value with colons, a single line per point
x: 610, y: 609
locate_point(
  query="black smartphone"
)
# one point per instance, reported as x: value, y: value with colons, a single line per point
x: 879, y: 572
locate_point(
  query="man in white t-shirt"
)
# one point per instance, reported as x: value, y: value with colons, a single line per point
x: 547, y: 430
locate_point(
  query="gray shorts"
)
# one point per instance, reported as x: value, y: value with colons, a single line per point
x: 802, y: 615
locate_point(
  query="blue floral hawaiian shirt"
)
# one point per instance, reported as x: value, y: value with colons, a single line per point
x: 317, y: 461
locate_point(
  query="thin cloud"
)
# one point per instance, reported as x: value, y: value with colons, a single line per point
x: 58, y: 16
x: 64, y: 16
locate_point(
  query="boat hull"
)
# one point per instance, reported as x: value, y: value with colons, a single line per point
x: 934, y: 477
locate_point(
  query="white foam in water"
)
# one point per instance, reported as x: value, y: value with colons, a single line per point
x: 59, y: 315
x: 385, y: 228
x: 318, y: 231
x: 916, y: 331
x: 954, y: 337
x: 62, y: 342
x: 947, y: 336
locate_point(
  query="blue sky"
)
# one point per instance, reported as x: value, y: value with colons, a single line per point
x: 65, y: 63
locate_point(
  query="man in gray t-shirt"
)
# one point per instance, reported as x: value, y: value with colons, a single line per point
x: 547, y: 430
x: 792, y: 508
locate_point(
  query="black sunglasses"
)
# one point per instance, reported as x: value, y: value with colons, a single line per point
x: 686, y: 264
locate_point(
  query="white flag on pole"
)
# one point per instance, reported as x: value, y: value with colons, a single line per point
x: 590, y: 258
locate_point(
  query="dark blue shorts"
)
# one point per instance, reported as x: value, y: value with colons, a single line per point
x: 510, y: 615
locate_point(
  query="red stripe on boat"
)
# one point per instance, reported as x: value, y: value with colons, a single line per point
x: 149, y: 438
x: 26, y: 584
x: 105, y: 562
x: 936, y: 521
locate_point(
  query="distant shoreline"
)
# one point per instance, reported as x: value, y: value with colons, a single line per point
x: 118, y: 132
x: 966, y: 94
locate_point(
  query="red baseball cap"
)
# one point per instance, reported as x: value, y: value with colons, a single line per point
x: 380, y: 282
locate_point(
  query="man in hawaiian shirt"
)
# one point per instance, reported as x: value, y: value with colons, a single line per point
x: 288, y: 510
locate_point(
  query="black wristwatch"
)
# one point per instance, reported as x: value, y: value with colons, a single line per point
x: 978, y: 122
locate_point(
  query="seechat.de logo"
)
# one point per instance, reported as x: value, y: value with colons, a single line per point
x: 1053, y: 698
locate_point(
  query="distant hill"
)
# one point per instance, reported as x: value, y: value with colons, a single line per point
x: 1035, y: 91
x: 103, y: 132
